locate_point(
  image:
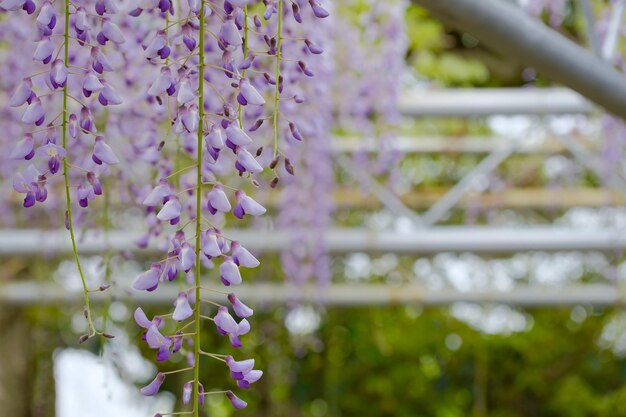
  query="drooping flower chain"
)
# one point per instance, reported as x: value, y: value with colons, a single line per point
x: 213, y: 81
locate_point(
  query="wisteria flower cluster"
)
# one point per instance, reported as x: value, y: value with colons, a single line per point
x: 199, y: 86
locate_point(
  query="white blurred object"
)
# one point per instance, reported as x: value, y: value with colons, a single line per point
x: 87, y: 387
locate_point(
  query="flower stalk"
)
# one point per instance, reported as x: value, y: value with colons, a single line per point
x: 70, y: 223
x: 200, y: 146
x: 279, y: 36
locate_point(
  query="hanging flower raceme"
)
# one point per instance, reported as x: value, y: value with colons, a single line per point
x: 102, y: 93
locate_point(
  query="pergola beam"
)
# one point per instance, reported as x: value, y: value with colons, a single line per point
x: 266, y: 295
x: 508, y: 30
x: 478, y: 239
x: 469, y: 102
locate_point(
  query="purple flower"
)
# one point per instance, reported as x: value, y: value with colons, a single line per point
x: 242, y: 257
x: 178, y: 341
x: 237, y: 402
x: 91, y: 84
x: 225, y: 322
x: 183, y: 310
x: 23, y: 93
x: 188, y: 39
x: 249, y: 378
x: 58, y: 74
x: 237, y: 136
x: 157, y: 46
x: 110, y: 31
x: 238, y: 369
x: 185, y: 92
x: 24, y: 149
x: 187, y: 388
x: 142, y: 320
x: 226, y: 325
x: 86, y: 120
x: 170, y: 211
x: 148, y: 280
x: 155, y: 339
x: 72, y: 126
x: 95, y: 183
x: 229, y: 35
x: 313, y: 48
x: 240, y: 309
x: 246, y: 205
x: 34, y: 112
x: 153, y: 387
x: 31, y: 183
x: 295, y: 132
x: 84, y: 194
x: 102, y: 153
x: 248, y: 94
x: 11, y: 4
x: 55, y: 154
x: 318, y: 10
x: 47, y: 18
x: 217, y: 200
x: 246, y: 162
x: 201, y: 387
x: 99, y: 61
x: 44, y: 50
x: 190, y: 118
x: 109, y: 96
x: 163, y: 83
x: 210, y: 246
x: 229, y: 272
x: 158, y: 194
x: 187, y: 257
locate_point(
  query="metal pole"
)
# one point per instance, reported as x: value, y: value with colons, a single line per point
x: 468, y: 102
x: 511, y: 32
x: 452, y: 197
x: 475, y: 239
x: 265, y: 295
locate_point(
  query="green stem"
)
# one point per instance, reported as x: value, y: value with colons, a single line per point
x: 107, y: 264
x: 92, y: 329
x: 279, y: 36
x: 245, y: 55
x: 196, y: 308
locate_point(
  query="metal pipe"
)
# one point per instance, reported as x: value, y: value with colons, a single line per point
x: 478, y: 239
x: 265, y: 295
x: 467, y: 102
x: 509, y: 31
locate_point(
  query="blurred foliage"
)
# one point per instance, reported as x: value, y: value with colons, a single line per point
x: 405, y: 361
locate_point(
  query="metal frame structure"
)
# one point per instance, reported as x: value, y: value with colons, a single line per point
x: 506, y: 29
